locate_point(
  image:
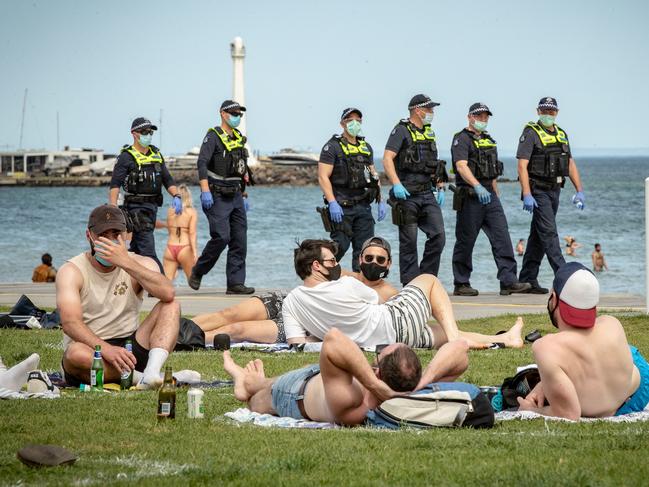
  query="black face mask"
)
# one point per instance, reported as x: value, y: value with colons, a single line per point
x: 334, y: 273
x: 373, y: 272
x: 551, y: 312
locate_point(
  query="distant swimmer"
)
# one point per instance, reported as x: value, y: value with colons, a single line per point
x: 520, y: 246
x: 572, y: 245
x: 544, y: 163
x: 46, y: 271
x: 599, y: 262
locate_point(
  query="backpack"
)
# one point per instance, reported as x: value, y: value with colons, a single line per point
x: 440, y: 404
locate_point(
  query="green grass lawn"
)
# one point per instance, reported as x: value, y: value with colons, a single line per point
x: 119, y: 441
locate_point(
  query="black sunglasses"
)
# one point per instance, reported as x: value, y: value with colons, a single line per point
x: 146, y: 132
x: 378, y: 258
x: 235, y: 114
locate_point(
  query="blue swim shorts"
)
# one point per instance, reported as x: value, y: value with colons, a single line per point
x: 640, y: 398
x: 289, y: 388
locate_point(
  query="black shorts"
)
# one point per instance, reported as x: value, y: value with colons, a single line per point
x: 272, y: 301
x: 141, y: 358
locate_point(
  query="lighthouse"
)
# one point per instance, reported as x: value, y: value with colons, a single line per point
x: 238, y: 53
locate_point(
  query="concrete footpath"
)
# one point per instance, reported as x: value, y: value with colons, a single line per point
x: 208, y: 300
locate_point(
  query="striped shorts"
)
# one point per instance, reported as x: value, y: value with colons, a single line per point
x: 409, y: 312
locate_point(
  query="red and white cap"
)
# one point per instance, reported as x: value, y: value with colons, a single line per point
x: 578, y: 292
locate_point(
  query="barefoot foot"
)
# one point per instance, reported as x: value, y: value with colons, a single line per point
x: 238, y: 374
x: 514, y: 337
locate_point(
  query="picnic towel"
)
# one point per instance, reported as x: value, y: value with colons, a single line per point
x: 525, y: 415
x: 244, y: 415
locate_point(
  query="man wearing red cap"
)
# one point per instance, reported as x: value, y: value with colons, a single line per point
x: 587, y: 369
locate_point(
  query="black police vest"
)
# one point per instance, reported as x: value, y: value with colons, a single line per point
x: 552, y: 162
x: 354, y: 170
x: 146, y: 178
x: 483, y: 158
x: 417, y: 163
x: 230, y: 163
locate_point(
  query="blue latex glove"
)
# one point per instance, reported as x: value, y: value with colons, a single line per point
x: 177, y: 204
x: 335, y: 211
x: 579, y: 200
x: 400, y: 192
x: 246, y: 205
x: 206, y: 200
x: 484, y: 196
x: 382, y: 211
x: 529, y: 203
x: 440, y: 196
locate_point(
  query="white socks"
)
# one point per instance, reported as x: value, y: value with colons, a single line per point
x: 157, y: 358
x: 16, y: 377
x: 187, y: 376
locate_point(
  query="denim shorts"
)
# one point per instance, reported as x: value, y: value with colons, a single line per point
x: 289, y: 388
x: 640, y: 398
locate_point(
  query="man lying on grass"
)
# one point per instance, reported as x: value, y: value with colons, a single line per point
x: 99, y: 296
x: 259, y: 319
x: 343, y: 387
x: 327, y: 300
x: 587, y: 369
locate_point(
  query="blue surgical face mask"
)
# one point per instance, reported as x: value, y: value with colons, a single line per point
x: 103, y: 262
x: 234, y: 121
x: 480, y: 126
x: 145, y: 140
x: 547, y: 120
x: 428, y: 118
x: 353, y: 127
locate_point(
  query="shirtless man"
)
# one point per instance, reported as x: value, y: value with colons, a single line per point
x: 587, y: 369
x: 599, y: 262
x: 99, y: 296
x: 327, y: 300
x: 259, y: 319
x: 343, y: 387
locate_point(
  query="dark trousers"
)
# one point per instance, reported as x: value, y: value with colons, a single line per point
x: 228, y: 228
x: 543, y: 239
x: 143, y: 241
x: 357, y: 227
x: 490, y: 218
x: 431, y: 222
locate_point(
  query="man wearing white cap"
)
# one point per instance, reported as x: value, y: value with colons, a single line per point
x: 587, y: 369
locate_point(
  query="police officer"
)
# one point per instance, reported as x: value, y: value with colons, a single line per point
x: 418, y: 176
x: 544, y: 162
x: 140, y: 170
x: 349, y: 182
x: 476, y: 167
x: 223, y: 174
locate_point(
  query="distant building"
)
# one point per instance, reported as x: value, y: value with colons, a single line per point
x: 26, y: 162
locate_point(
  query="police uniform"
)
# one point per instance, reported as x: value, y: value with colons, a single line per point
x: 142, y: 177
x: 355, y: 187
x: 481, y: 153
x: 223, y: 161
x: 548, y: 153
x: 419, y: 169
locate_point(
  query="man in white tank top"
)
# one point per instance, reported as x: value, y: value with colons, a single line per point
x: 99, y: 296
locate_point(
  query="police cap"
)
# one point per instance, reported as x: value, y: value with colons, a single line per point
x: 477, y: 108
x: 232, y: 106
x: 348, y: 111
x: 548, y: 103
x: 141, y: 123
x: 421, y: 101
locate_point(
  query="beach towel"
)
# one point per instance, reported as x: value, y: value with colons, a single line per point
x: 527, y: 415
x: 244, y: 415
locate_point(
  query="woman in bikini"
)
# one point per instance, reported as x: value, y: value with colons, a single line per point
x: 181, y: 247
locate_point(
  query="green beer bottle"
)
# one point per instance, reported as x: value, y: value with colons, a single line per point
x: 167, y: 397
x: 97, y: 371
x: 126, y: 379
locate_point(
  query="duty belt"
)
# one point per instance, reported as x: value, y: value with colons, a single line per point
x: 222, y: 178
x: 545, y: 185
x: 418, y: 188
x: 156, y: 199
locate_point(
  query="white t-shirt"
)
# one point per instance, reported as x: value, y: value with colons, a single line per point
x: 346, y: 304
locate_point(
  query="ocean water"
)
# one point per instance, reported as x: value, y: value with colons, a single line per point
x: 38, y: 220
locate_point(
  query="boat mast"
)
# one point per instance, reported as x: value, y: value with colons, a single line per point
x: 22, y: 121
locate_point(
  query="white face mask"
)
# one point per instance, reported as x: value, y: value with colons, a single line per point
x: 428, y: 118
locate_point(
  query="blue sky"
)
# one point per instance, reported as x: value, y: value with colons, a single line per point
x: 100, y: 64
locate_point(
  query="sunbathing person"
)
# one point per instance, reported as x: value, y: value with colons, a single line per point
x: 587, y: 369
x: 343, y: 387
x: 259, y: 319
x: 327, y: 300
x: 181, y: 248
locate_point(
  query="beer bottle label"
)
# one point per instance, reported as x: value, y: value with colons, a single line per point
x: 125, y: 374
x: 165, y: 408
x: 93, y: 378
